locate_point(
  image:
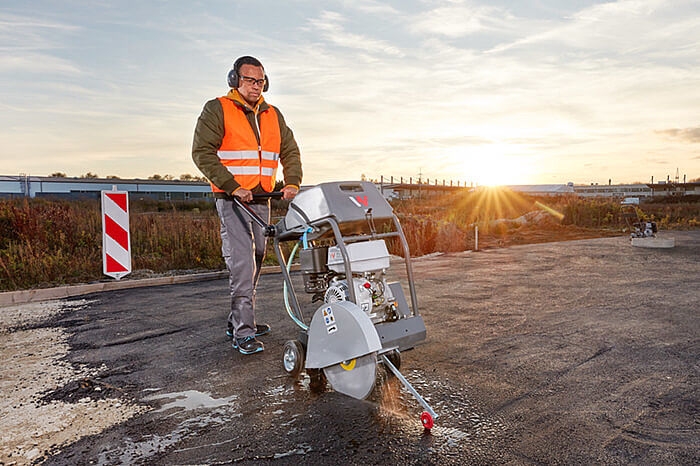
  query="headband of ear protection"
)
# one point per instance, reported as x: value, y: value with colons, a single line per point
x: 234, y: 76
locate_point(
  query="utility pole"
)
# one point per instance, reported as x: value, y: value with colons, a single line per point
x: 420, y: 175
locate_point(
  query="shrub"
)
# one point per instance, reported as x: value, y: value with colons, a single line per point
x: 50, y: 242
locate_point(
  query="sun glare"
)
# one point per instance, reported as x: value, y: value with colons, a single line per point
x: 486, y: 166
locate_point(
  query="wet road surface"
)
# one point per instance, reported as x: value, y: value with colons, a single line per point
x: 579, y: 352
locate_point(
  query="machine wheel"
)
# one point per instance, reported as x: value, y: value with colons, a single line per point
x: 317, y: 380
x: 395, y: 358
x: 293, y: 357
x: 427, y: 420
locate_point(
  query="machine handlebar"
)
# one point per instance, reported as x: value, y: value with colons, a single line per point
x: 269, y: 230
x: 271, y: 195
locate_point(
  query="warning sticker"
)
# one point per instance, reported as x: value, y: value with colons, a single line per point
x: 328, y: 317
x: 332, y: 329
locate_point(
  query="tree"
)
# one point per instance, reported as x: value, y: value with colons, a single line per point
x: 113, y: 177
x: 89, y: 175
x: 58, y: 175
x: 155, y: 176
x: 186, y: 177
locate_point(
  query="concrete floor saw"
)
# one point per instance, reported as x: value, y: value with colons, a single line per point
x: 359, y: 318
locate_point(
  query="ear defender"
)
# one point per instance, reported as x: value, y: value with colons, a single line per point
x: 233, y: 79
x: 233, y: 76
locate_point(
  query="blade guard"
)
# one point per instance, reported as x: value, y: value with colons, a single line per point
x: 340, y: 332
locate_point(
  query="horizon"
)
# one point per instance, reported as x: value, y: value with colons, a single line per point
x: 498, y: 92
x: 385, y: 180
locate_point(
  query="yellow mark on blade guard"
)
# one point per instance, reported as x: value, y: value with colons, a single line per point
x: 349, y: 365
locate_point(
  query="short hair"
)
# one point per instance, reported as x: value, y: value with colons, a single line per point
x: 246, y: 60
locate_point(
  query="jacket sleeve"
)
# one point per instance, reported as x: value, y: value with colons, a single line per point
x: 290, y: 158
x: 208, y: 134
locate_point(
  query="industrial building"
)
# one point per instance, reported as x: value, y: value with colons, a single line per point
x: 90, y: 188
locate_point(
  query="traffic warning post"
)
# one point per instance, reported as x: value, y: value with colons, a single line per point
x: 116, y: 241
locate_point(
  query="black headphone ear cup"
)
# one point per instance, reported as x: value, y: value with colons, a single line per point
x: 233, y: 79
x: 267, y: 84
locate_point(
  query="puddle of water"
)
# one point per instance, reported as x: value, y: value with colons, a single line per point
x: 279, y: 396
x: 460, y: 424
x: 135, y: 451
x: 189, y: 400
x: 299, y: 450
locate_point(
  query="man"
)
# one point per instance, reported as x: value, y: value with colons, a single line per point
x: 238, y: 142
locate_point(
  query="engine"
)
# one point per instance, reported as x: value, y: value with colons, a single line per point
x: 325, y: 277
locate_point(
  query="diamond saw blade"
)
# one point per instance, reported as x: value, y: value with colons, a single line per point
x: 354, y: 378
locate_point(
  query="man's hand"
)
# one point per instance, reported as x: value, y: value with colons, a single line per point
x: 243, y: 194
x: 288, y: 192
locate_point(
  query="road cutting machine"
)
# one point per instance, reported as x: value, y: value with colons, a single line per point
x: 359, y: 318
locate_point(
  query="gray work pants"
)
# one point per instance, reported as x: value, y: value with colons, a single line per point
x: 243, y: 249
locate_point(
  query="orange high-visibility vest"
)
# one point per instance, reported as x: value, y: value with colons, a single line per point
x: 249, y: 162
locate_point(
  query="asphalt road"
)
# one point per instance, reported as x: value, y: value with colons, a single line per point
x: 579, y: 352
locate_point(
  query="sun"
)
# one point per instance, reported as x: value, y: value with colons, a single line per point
x: 488, y: 166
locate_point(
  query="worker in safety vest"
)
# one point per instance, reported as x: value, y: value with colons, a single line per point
x: 239, y: 141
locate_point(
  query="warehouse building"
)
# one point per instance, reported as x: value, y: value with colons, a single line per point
x: 90, y: 188
x: 177, y: 190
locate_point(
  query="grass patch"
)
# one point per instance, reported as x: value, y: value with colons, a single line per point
x: 54, y: 242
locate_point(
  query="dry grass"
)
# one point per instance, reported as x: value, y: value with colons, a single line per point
x: 47, y: 243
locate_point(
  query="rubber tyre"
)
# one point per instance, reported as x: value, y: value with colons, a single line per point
x: 293, y: 358
x: 395, y: 358
x: 317, y: 380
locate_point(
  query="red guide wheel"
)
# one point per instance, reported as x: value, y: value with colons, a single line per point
x: 427, y: 420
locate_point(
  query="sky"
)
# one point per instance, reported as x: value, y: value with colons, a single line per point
x: 476, y: 91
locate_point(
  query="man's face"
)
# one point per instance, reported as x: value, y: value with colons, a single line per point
x: 250, y: 83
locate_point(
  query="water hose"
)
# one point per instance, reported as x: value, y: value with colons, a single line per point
x: 286, y: 290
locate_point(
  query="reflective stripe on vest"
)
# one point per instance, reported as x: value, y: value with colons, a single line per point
x: 250, y: 164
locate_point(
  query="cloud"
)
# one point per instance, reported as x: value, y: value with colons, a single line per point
x: 23, y: 33
x: 371, y: 7
x: 29, y: 45
x: 455, y: 21
x: 630, y: 30
x: 329, y: 25
x: 691, y: 135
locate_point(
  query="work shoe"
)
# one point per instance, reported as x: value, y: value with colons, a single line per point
x: 260, y: 330
x: 248, y: 345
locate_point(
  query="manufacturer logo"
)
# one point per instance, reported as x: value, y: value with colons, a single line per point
x: 360, y: 201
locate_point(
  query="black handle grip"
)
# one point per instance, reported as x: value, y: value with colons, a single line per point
x: 272, y: 195
x: 269, y: 229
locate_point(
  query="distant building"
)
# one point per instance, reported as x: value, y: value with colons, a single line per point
x: 613, y: 190
x: 675, y: 189
x: 90, y: 188
x: 620, y: 191
x: 542, y: 189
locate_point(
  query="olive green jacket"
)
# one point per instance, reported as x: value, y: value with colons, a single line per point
x: 209, y: 133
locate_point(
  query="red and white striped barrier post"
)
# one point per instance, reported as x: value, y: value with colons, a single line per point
x: 116, y: 241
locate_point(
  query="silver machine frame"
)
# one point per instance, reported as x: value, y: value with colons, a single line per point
x: 344, y: 220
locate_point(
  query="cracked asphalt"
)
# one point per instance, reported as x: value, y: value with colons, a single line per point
x: 577, y: 352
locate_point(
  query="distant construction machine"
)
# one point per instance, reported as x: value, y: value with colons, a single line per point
x: 643, y: 233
